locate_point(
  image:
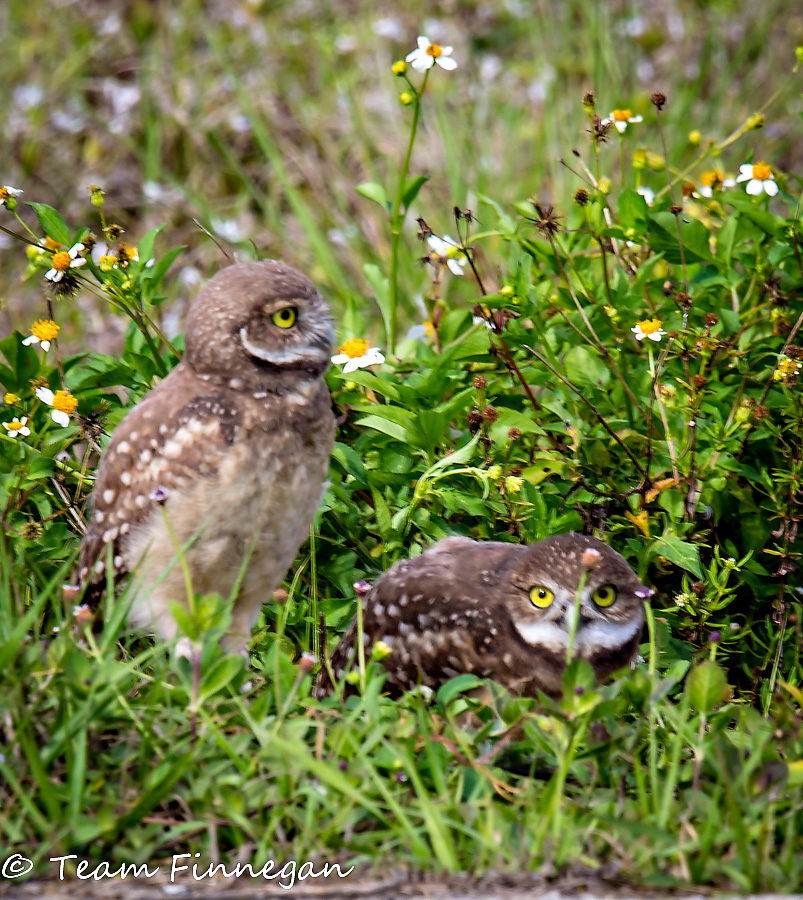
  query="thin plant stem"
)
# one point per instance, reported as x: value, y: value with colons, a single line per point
x: 398, y: 216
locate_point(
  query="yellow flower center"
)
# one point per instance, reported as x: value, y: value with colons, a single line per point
x: 14, y: 426
x: 4, y: 194
x: 354, y: 348
x: 761, y: 171
x: 45, y: 329
x: 712, y: 179
x: 64, y: 402
x: 10, y: 398
x: 435, y: 50
x: 622, y: 115
x: 61, y: 261
x: 649, y: 326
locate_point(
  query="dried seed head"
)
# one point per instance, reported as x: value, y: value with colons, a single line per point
x: 82, y: 614
x: 32, y: 531
x: 711, y: 319
x: 760, y: 412
x: 489, y: 414
x: 581, y: 197
x: 307, y: 663
x: 698, y: 588
x: 699, y: 382
x: 546, y: 221
x: 589, y: 101
x: 474, y: 421
x: 688, y: 189
x: 794, y: 352
x: 598, y: 130
x: 113, y: 232
x: 676, y: 210
x: 658, y: 99
x: 513, y: 434
x: 591, y: 558
x: 480, y: 382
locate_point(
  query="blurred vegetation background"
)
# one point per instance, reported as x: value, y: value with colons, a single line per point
x: 258, y: 119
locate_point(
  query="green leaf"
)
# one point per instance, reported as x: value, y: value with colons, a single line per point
x: 458, y: 458
x: 393, y: 429
x: 145, y: 246
x: 633, y: 210
x: 184, y: 620
x: 456, y: 686
x: 680, y: 552
x: 24, y: 362
x: 584, y: 367
x: 350, y: 460
x: 726, y: 241
x: 664, y: 238
x: 51, y: 221
x: 381, y: 285
x: 412, y: 187
x: 219, y: 675
x: 707, y: 686
x: 375, y: 192
x: 767, y: 222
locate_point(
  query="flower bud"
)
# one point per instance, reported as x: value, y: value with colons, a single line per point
x: 755, y: 121
x: 96, y: 195
x: 399, y: 67
x: 695, y: 137
x: 406, y: 98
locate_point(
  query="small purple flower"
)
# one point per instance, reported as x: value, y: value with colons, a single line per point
x: 400, y: 777
x: 361, y: 588
x: 159, y: 495
x: 714, y: 638
x: 579, y: 690
x: 342, y: 765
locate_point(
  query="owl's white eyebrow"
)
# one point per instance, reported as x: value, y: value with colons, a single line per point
x: 278, y: 356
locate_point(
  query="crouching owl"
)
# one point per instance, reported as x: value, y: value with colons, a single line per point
x: 226, y: 458
x: 499, y: 611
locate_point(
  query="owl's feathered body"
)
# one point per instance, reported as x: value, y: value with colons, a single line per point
x: 232, y: 448
x: 466, y: 607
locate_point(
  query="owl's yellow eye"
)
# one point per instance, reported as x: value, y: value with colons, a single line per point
x: 284, y: 318
x: 541, y: 596
x: 605, y: 595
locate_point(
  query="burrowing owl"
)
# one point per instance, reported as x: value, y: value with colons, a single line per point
x: 499, y: 611
x: 226, y: 458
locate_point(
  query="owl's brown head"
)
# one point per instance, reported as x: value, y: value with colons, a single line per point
x: 545, y: 579
x: 262, y: 323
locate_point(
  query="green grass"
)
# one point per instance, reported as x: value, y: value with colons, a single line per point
x: 687, y: 452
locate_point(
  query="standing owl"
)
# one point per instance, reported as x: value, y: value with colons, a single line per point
x: 499, y: 611
x: 226, y: 457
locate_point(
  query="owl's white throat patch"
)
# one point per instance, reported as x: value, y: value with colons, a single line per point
x: 596, y: 636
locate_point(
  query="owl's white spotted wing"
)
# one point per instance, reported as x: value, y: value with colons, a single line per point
x: 161, y: 447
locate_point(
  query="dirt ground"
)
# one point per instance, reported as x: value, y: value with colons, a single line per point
x: 400, y: 886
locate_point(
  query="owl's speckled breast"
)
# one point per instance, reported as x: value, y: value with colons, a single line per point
x: 258, y: 507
